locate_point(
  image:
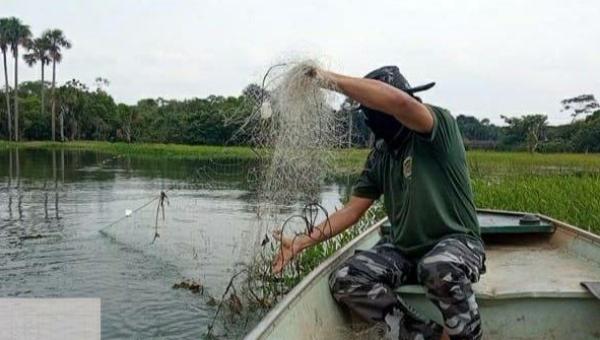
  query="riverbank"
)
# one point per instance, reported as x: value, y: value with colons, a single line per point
x: 178, y: 151
x: 564, y: 186
x: 348, y: 161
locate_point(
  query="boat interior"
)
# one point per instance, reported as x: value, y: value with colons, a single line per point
x: 528, y: 256
x: 532, y: 288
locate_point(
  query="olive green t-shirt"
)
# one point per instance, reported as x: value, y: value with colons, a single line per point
x: 425, y: 184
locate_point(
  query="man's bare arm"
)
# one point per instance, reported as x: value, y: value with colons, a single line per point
x: 337, y: 223
x: 380, y: 96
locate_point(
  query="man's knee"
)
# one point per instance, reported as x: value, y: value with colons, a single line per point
x: 338, y: 279
x: 358, y: 271
x: 442, y: 277
x: 449, y: 264
x: 345, y: 278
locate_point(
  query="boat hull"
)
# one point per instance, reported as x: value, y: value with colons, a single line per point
x: 547, y: 306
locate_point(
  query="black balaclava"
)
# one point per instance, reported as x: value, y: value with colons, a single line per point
x: 383, y: 125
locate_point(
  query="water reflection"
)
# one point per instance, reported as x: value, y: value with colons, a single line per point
x: 9, y: 184
x: 54, y: 203
x: 14, y: 186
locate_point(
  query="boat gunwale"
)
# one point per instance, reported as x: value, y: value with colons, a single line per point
x: 292, y: 297
x: 559, y: 224
x: 589, y: 236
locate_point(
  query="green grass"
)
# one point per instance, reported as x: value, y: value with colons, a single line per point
x: 484, y: 163
x: 178, y: 151
x: 571, y: 198
x: 347, y: 161
x: 350, y: 160
x: 564, y: 186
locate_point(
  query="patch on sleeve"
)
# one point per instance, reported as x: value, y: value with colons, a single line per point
x: 407, y: 167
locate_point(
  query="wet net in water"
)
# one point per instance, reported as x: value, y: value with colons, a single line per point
x: 294, y: 131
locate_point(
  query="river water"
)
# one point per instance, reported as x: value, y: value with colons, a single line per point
x: 64, y: 233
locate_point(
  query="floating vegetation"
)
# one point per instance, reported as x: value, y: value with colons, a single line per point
x: 193, y: 286
x: 31, y: 237
x: 211, y: 301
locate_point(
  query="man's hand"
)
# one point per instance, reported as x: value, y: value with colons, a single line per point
x: 311, y: 71
x: 337, y: 222
x: 321, y: 76
x: 289, y: 249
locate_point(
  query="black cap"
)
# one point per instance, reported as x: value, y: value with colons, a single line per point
x: 391, y: 75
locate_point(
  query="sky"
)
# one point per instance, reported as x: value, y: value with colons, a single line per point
x: 487, y: 57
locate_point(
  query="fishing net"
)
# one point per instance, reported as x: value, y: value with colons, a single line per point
x: 294, y: 131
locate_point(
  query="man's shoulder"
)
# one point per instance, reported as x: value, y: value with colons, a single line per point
x: 445, y: 119
x: 439, y: 110
x: 446, y: 135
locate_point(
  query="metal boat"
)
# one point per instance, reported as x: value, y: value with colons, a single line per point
x: 542, y: 282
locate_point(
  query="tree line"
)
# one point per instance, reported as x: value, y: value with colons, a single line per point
x: 88, y: 112
x: 533, y: 133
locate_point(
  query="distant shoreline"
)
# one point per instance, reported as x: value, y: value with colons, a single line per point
x: 563, y: 185
x: 179, y: 151
x: 349, y: 161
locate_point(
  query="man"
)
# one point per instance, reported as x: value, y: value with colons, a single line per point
x: 419, y: 165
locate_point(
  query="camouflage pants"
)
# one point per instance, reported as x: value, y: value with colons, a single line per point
x: 365, y: 283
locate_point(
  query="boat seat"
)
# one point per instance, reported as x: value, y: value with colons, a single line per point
x: 530, y: 269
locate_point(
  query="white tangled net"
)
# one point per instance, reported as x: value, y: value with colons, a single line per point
x: 295, y: 130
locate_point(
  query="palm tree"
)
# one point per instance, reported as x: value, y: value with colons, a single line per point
x: 19, y: 35
x: 56, y: 40
x: 38, y: 51
x: 4, y: 41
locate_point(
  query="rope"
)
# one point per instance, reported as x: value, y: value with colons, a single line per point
x: 161, y: 197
